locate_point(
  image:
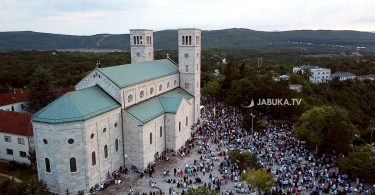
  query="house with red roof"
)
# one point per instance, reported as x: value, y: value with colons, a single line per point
x: 16, y: 136
x: 14, y: 101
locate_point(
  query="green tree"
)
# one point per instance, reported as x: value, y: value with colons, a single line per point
x: 360, y: 162
x: 201, y: 190
x: 259, y: 179
x: 327, y: 128
x: 41, y: 89
x: 32, y: 187
x: 243, y: 159
x: 212, y: 88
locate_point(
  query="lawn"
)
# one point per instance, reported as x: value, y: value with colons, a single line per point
x: 20, y: 172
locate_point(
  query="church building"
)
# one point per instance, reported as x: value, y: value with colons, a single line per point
x: 120, y: 115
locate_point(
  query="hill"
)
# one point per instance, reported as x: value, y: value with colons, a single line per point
x: 166, y: 40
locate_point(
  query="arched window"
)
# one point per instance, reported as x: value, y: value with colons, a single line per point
x: 189, y: 40
x: 161, y: 131
x: 12, y: 108
x: 134, y: 40
x: 130, y: 98
x: 73, y: 165
x: 150, y: 138
x: 183, y: 40
x: 105, y: 151
x: 93, y: 158
x: 160, y: 87
x: 48, y: 166
x: 187, y: 121
x: 186, y: 68
x: 151, y: 90
x: 140, y: 39
x: 116, y: 145
x: 179, y: 126
x: 141, y: 94
x: 137, y: 39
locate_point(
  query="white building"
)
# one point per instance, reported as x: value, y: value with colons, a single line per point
x: 342, y: 76
x: 318, y: 75
x: 128, y: 114
x: 16, y: 136
x: 14, y: 101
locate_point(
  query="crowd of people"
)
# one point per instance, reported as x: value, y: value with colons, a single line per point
x: 296, y: 169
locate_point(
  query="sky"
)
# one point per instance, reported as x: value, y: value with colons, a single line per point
x: 88, y: 17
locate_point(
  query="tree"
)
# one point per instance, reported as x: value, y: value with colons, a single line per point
x: 243, y: 159
x: 212, y: 88
x: 32, y: 187
x: 41, y: 90
x: 360, y: 162
x: 327, y: 128
x: 260, y: 179
x: 201, y: 190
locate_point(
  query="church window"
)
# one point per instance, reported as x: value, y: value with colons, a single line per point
x: 92, y: 136
x: 130, y: 98
x: 134, y: 40
x: 93, y: 158
x: 187, y: 86
x: 161, y: 131
x: 104, y: 130
x: 197, y: 40
x: 137, y: 39
x: 183, y: 40
x: 48, y: 166
x: 140, y: 39
x: 150, y: 138
x: 22, y: 107
x: 186, y: 68
x: 179, y: 126
x: 174, y: 82
x: 186, y: 55
x: 189, y: 40
x: 138, y: 54
x: 45, y: 141
x: 187, y: 121
x: 168, y: 85
x: 151, y: 90
x: 73, y: 165
x: 12, y: 108
x: 141, y: 94
x: 115, y: 125
x: 160, y: 87
x: 70, y: 141
x: 116, y: 145
x: 105, y: 151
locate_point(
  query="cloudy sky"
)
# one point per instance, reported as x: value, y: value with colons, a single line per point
x: 87, y: 17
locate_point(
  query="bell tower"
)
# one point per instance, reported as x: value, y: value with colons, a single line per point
x: 189, y: 60
x: 141, y: 45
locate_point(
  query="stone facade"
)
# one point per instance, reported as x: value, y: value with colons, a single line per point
x: 189, y: 60
x: 105, y: 142
x: 141, y: 42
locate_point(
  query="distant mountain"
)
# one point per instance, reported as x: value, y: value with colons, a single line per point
x: 235, y: 38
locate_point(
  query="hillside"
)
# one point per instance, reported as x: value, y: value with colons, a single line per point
x: 166, y: 40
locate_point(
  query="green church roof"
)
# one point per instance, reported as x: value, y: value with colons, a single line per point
x: 77, y: 106
x: 168, y: 102
x: 130, y: 74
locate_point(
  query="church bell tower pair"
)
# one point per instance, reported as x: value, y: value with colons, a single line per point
x: 189, y: 58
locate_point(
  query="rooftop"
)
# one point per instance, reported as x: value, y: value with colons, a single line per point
x: 77, y: 106
x: 13, y: 97
x: 15, y: 123
x: 168, y: 102
x: 342, y: 74
x: 130, y: 74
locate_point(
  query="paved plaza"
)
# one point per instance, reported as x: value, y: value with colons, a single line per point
x: 296, y: 169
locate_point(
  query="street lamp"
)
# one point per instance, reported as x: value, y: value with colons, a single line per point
x: 252, y: 123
